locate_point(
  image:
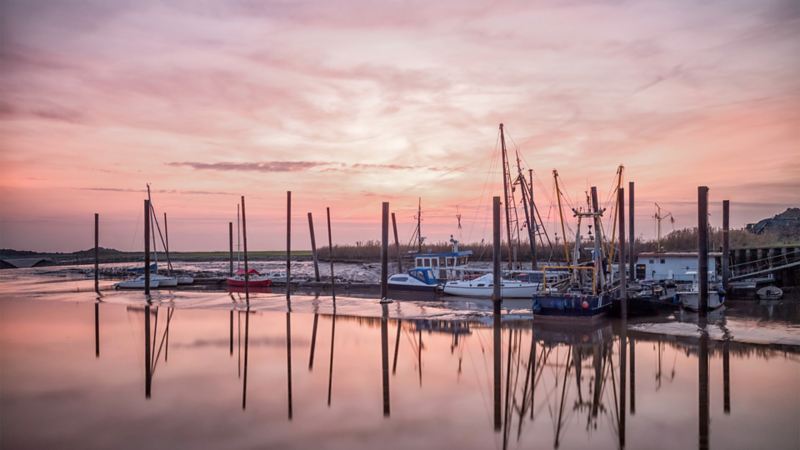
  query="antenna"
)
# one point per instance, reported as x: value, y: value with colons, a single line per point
x: 659, y: 217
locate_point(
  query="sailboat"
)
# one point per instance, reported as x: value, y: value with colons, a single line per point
x: 156, y: 280
x: 252, y: 278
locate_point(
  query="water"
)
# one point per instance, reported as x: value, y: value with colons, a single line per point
x: 361, y: 375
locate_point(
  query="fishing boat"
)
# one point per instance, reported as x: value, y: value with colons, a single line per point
x: 417, y: 279
x: 770, y: 293
x: 483, y: 287
x: 254, y: 279
x: 586, y: 291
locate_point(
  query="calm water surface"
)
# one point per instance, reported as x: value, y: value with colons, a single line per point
x: 195, y: 370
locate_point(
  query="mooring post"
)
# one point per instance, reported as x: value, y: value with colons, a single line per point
x: 147, y: 248
x: 313, y: 247
x: 726, y: 242
x: 631, y: 235
x: 96, y: 252
x: 230, y: 247
x: 246, y: 269
x: 397, y: 246
x: 330, y: 253
x: 623, y: 280
x: 288, y: 241
x: 702, y: 246
x: 497, y: 276
x: 385, y: 253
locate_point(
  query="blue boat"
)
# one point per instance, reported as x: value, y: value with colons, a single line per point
x: 418, y: 279
x: 571, y: 304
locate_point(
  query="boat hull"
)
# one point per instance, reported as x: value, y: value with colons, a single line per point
x: 691, y: 300
x: 255, y: 283
x: 570, y: 305
x: 412, y: 288
x: 487, y: 291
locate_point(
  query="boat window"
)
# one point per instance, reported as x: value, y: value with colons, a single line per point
x: 435, y: 262
x: 400, y: 278
x: 449, y: 261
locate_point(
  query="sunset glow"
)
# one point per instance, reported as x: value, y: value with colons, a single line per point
x: 348, y: 104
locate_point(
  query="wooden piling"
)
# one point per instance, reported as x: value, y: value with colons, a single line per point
x: 330, y: 253
x: 397, y: 246
x: 147, y: 248
x: 246, y: 269
x: 726, y: 242
x: 599, y: 269
x: 313, y: 247
x: 385, y: 348
x: 230, y: 247
x: 631, y: 234
x: 702, y: 246
x: 385, y: 252
x: 497, y: 276
x: 623, y: 280
x: 288, y: 241
x: 289, y: 360
x: 96, y: 252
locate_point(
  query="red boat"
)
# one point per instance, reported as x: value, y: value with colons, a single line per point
x: 255, y: 279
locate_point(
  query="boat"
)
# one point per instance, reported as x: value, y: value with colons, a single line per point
x: 586, y: 291
x: 769, y: 293
x: 254, y: 279
x: 185, y: 279
x: 136, y: 283
x: 417, y: 279
x: 483, y: 287
x: 689, y: 295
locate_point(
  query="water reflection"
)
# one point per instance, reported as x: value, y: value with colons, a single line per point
x: 533, y: 385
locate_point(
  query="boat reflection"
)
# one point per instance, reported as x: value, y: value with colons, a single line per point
x: 568, y: 377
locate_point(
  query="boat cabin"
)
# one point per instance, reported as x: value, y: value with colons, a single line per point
x: 677, y: 266
x: 445, y: 266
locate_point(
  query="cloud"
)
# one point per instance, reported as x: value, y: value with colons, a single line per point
x: 268, y: 166
x: 157, y: 191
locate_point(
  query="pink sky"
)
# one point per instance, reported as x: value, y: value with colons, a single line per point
x: 351, y: 103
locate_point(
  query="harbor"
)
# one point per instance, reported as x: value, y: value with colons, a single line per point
x: 407, y: 225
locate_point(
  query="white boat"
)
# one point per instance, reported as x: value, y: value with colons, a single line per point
x: 136, y: 283
x: 164, y: 280
x: 414, y: 280
x: 185, y: 279
x: 483, y: 286
x: 769, y: 293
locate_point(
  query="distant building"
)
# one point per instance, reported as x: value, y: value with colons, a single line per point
x: 655, y: 266
x: 785, y: 224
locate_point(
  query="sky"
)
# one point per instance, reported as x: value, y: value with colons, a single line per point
x: 350, y: 103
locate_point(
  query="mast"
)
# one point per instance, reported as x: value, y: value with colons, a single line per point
x: 614, y: 214
x: 534, y: 227
x: 238, y: 236
x: 525, y: 202
x: 508, y: 198
x: 150, y: 218
x: 419, y: 225
x: 561, y: 216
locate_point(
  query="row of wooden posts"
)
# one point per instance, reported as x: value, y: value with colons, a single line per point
x: 702, y: 211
